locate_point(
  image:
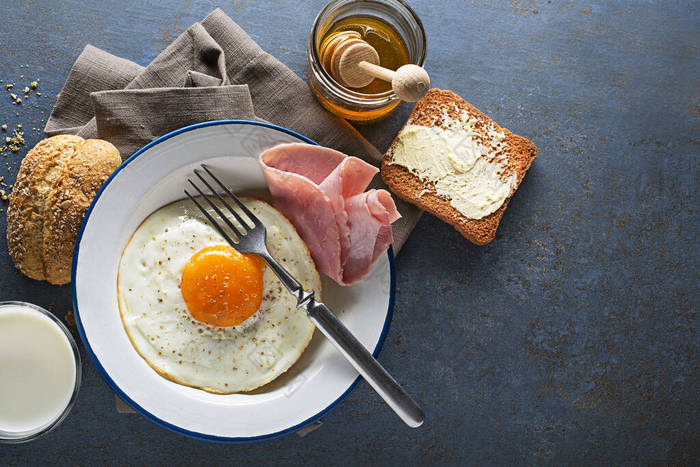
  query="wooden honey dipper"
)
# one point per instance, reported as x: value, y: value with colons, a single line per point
x: 354, y: 63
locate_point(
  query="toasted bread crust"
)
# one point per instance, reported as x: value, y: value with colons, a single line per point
x: 56, y: 183
x: 520, y: 154
x: 25, y: 215
x: 66, y: 205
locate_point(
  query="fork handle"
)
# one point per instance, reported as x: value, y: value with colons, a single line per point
x: 363, y: 361
x: 351, y: 348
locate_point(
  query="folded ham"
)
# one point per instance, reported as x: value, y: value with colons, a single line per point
x: 321, y: 191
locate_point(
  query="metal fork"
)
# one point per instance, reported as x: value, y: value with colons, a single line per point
x: 251, y: 238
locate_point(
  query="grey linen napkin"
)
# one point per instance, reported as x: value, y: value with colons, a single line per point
x: 213, y: 70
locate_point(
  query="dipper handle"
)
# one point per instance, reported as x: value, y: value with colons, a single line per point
x: 409, y: 82
x: 377, y: 71
x: 355, y: 64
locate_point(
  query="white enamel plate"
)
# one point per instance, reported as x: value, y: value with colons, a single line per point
x: 154, y: 177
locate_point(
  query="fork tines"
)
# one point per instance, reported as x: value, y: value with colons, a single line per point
x: 242, y: 227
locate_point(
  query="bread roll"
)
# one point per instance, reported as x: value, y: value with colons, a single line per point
x: 55, y: 185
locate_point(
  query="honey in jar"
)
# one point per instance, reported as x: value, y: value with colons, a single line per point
x: 382, y: 37
x: 390, y: 27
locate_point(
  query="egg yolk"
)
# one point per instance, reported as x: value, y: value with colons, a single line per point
x: 221, y: 286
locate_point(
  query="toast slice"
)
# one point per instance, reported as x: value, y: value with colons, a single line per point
x: 441, y: 109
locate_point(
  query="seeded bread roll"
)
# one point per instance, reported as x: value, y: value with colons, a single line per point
x: 56, y: 183
x: 432, y: 110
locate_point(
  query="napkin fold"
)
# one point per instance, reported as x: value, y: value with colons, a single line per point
x: 212, y: 71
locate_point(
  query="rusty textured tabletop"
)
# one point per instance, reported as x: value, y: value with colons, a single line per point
x: 572, y: 338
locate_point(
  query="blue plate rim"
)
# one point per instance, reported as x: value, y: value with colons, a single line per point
x: 113, y: 385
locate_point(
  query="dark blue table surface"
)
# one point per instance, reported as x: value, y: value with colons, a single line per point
x: 572, y: 338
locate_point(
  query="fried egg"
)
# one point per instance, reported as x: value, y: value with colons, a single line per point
x: 204, y: 315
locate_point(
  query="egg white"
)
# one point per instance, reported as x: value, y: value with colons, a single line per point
x: 187, y: 351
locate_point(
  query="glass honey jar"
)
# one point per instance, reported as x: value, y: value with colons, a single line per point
x: 391, y: 27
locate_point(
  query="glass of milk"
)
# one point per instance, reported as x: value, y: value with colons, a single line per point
x: 39, y: 372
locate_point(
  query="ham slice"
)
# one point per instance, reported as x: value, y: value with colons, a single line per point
x: 321, y: 191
